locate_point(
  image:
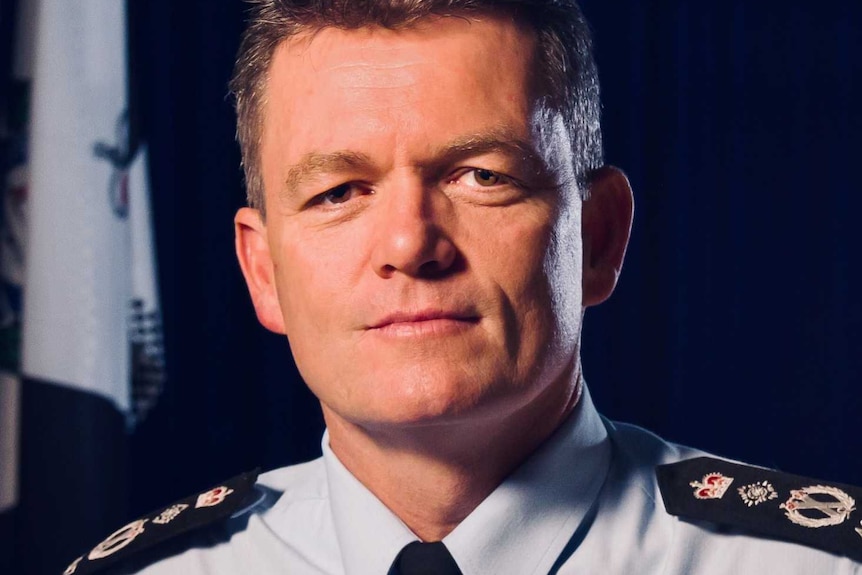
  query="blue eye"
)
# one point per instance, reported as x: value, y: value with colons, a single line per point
x: 338, y: 194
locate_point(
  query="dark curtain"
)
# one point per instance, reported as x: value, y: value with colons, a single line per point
x: 736, y: 327
x: 736, y: 324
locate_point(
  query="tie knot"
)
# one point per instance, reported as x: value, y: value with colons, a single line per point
x: 419, y: 558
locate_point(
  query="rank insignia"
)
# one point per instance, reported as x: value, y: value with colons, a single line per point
x: 170, y: 514
x: 806, y: 509
x: 757, y: 493
x: 770, y: 503
x: 186, y: 515
x: 117, y: 540
x: 712, y: 486
x: 213, y: 497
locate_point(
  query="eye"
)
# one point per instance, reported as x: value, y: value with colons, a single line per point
x: 482, y: 178
x: 337, y: 195
x: 486, y: 177
x: 341, y: 194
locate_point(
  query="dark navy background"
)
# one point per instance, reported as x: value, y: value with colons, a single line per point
x: 735, y: 327
x: 736, y: 324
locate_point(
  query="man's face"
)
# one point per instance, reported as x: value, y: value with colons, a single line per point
x: 422, y: 247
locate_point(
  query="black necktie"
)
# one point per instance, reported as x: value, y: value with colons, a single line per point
x: 419, y: 558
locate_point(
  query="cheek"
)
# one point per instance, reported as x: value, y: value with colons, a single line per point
x: 313, y: 281
x: 540, y: 272
x: 519, y: 247
x: 531, y: 266
x: 315, y: 307
x: 563, y: 267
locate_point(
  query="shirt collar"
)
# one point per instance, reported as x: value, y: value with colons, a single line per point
x: 522, y: 527
x: 369, y: 534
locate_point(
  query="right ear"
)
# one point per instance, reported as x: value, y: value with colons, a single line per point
x: 258, y: 268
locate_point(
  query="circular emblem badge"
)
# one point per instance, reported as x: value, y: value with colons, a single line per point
x: 833, y: 507
x: 757, y: 493
x: 117, y: 540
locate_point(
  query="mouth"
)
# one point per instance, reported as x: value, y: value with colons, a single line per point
x: 424, y: 323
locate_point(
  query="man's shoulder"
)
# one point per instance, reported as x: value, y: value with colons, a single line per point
x: 301, y: 480
x: 718, y: 498
x: 204, y: 524
x: 765, y: 503
x: 645, y: 448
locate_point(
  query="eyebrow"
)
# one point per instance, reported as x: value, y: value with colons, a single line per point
x: 495, y: 141
x: 314, y: 164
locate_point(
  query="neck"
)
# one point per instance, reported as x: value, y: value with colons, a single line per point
x: 433, y: 476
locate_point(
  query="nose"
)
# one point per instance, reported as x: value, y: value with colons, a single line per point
x: 411, y: 238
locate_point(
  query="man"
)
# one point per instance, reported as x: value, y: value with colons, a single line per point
x: 428, y: 220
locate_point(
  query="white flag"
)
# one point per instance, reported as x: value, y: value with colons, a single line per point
x: 91, y: 326
x: 83, y: 262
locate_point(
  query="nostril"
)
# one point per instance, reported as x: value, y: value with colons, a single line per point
x: 437, y: 259
x: 432, y: 269
x: 442, y: 258
x: 387, y: 271
x: 447, y: 261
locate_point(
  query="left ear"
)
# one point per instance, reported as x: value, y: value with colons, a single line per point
x: 606, y: 224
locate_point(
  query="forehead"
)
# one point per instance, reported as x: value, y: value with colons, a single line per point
x: 441, y: 71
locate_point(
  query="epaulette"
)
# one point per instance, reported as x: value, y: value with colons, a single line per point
x: 769, y: 503
x: 220, y: 502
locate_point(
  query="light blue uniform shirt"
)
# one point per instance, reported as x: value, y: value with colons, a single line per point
x: 586, y: 502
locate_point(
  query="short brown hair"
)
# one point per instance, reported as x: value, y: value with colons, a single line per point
x: 565, y: 55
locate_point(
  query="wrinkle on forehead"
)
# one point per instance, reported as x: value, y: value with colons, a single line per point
x: 379, y: 90
x: 324, y: 48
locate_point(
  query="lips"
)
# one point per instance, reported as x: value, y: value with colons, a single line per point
x: 424, y: 319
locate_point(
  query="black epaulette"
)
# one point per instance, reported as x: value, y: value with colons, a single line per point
x: 185, y: 515
x: 779, y: 505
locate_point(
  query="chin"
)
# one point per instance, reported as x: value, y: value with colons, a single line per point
x: 424, y: 401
